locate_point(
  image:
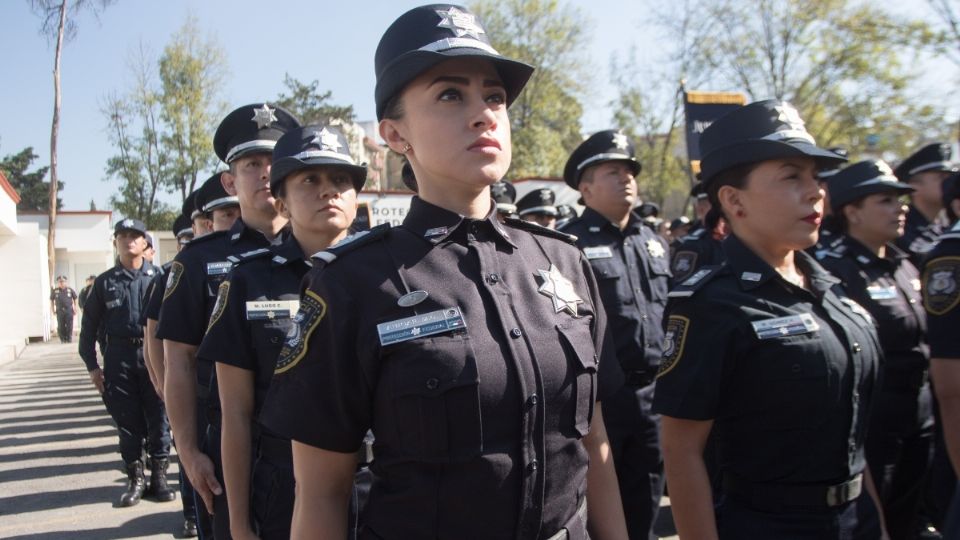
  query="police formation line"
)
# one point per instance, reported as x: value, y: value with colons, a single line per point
x: 454, y: 376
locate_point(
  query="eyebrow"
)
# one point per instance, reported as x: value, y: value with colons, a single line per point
x: 487, y: 83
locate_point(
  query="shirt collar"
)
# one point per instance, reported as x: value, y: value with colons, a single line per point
x: 865, y: 257
x: 288, y: 250
x: 596, y: 222
x: 751, y: 271
x: 240, y: 230
x: 435, y: 224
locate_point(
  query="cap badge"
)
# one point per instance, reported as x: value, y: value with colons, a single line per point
x: 127, y: 223
x: 264, y: 116
x: 884, y: 168
x: 460, y: 23
x: 789, y: 115
x: 560, y: 290
x: 620, y: 141
x: 326, y: 140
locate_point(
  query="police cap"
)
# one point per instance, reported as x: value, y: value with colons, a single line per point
x: 862, y: 179
x: 212, y: 195
x: 827, y: 173
x: 427, y: 35
x: 538, y: 201
x: 182, y: 226
x: 313, y: 146
x: 130, y: 224
x: 932, y: 157
x: 505, y: 195
x: 250, y: 129
x: 760, y: 131
x: 189, y: 207
x: 648, y: 209
x: 609, y: 145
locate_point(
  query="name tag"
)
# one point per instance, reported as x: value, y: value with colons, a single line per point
x: 877, y: 292
x: 114, y: 303
x: 428, y: 324
x: 219, y: 268
x: 272, y: 309
x: 785, y: 326
x: 599, y: 252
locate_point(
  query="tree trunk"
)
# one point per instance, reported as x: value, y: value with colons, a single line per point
x: 54, y: 132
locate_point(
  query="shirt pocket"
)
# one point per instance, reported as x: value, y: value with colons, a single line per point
x: 112, y: 297
x: 658, y: 269
x: 435, y: 392
x: 793, y: 385
x: 577, y: 342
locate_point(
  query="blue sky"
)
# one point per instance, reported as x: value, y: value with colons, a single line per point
x: 333, y: 42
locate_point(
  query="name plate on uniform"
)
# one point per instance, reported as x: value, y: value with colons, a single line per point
x: 219, y: 268
x: 599, y: 252
x: 878, y: 292
x: 785, y: 326
x: 272, y: 309
x: 428, y: 324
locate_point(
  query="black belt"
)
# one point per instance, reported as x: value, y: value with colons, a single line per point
x: 119, y: 340
x: 762, y: 494
x: 905, y: 380
x: 640, y: 377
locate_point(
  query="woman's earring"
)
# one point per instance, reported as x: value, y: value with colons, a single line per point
x: 406, y: 148
x: 741, y: 213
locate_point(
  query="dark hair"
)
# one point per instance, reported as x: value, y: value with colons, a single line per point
x: 393, y: 109
x: 281, y: 189
x: 734, y: 177
x: 950, y: 213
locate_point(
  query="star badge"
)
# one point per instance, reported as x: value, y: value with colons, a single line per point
x: 789, y: 115
x: 654, y: 248
x: 560, y: 290
x: 460, y: 23
x: 264, y: 116
x: 326, y: 140
x: 620, y: 141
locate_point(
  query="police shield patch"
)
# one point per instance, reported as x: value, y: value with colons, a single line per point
x: 941, y: 291
x: 674, y: 338
x: 173, y: 279
x: 221, y: 304
x: 684, y: 263
x: 312, y: 311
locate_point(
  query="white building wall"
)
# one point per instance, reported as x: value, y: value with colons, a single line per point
x: 23, y: 288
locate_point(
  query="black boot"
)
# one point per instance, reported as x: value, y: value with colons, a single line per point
x: 158, y: 480
x: 135, y: 484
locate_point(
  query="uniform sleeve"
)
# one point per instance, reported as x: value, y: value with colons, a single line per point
x: 155, y: 300
x: 228, y: 336
x: 322, y: 390
x: 53, y: 294
x: 90, y: 324
x: 698, y: 340
x: 609, y: 374
x: 183, y: 311
x: 941, y: 299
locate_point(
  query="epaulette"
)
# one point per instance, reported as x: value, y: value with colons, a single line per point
x: 953, y: 233
x: 698, y: 279
x: 249, y: 255
x: 693, y: 236
x: 352, y: 243
x: 835, y: 250
x: 205, y: 238
x: 540, y: 230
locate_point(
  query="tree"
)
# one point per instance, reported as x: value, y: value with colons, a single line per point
x: 310, y: 105
x: 59, y: 24
x: 34, y: 192
x: 949, y: 14
x: 545, y: 118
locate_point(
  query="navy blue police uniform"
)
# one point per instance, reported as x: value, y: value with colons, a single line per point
x: 691, y: 252
x: 921, y: 234
x: 63, y: 301
x: 632, y: 272
x: 113, y: 310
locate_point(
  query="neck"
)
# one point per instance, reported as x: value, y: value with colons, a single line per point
x: 131, y: 262
x: 778, y: 257
x: 876, y: 246
x: 926, y: 209
x: 269, y: 224
x: 468, y: 203
x: 314, y: 242
x: 618, y: 217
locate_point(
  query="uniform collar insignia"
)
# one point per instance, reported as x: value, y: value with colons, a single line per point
x: 655, y: 248
x: 326, y: 140
x: 751, y: 276
x: 560, y: 290
x: 594, y: 228
x: 264, y: 116
x: 460, y: 23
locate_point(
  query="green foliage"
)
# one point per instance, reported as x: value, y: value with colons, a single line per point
x: 310, y: 105
x: 33, y: 190
x: 545, y: 118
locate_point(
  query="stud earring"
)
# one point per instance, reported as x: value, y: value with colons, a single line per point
x: 406, y: 148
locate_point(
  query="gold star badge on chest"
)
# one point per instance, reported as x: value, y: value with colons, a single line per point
x: 560, y: 290
x: 654, y: 248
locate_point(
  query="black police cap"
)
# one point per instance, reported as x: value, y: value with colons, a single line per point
x: 189, y: 207
x: 504, y: 194
x: 182, y: 226
x: 679, y: 222
x: 862, y: 179
x: 312, y: 146
x: 698, y: 191
x: 609, y: 145
x: 252, y: 128
x: 648, y: 209
x: 427, y: 35
x: 932, y: 157
x: 950, y: 189
x: 130, y: 224
x: 538, y: 201
x: 824, y: 175
x: 760, y: 131
x: 212, y: 195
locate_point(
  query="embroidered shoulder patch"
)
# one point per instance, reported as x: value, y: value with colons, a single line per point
x: 220, y: 305
x: 684, y: 263
x: 674, y: 338
x: 173, y: 279
x: 941, y: 291
x: 312, y: 310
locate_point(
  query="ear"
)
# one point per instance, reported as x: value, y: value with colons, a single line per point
x: 229, y: 183
x: 390, y: 131
x: 281, y: 208
x: 730, y: 201
x: 851, y: 213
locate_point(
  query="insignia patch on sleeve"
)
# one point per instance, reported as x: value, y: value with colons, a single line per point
x: 173, y: 279
x: 674, y: 338
x: 220, y: 305
x: 683, y: 265
x: 312, y: 311
x: 941, y: 292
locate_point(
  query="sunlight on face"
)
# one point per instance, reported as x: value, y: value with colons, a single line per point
x: 319, y: 199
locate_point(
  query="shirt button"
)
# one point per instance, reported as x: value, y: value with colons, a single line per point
x: 274, y: 340
x: 913, y: 300
x: 856, y: 347
x: 532, y: 400
x: 643, y: 317
x: 516, y: 333
x: 533, y: 466
x: 494, y: 278
x: 432, y: 383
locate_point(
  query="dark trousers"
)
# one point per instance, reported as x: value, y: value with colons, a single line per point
x: 271, y: 503
x: 217, y: 525
x: 187, y: 496
x: 737, y: 520
x: 634, y: 433
x: 942, y: 478
x: 65, y: 326
x: 134, y: 404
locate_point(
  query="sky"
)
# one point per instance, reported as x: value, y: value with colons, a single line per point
x: 332, y: 42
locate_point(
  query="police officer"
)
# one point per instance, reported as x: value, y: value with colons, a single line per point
x: 63, y: 304
x: 470, y: 347
x: 631, y: 265
x: 114, y: 305
x: 505, y: 195
x: 315, y: 182
x: 880, y: 277
x: 539, y: 206
x: 200, y: 222
x: 244, y: 141
x: 766, y: 350
x: 85, y: 292
x: 214, y: 203
x: 703, y: 245
x: 925, y: 170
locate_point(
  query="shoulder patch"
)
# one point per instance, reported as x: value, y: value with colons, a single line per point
x: 220, y: 305
x: 351, y: 243
x: 690, y: 285
x: 540, y: 230
x: 941, y: 285
x: 312, y: 310
x: 684, y: 263
x: 198, y: 242
x: 173, y: 278
x: 674, y: 338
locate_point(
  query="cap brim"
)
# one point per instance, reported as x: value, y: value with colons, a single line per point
x: 402, y: 70
x: 759, y: 150
x: 859, y: 192
x: 284, y: 167
x: 572, y: 175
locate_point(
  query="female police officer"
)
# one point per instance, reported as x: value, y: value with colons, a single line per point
x: 315, y: 183
x: 866, y: 202
x: 765, y: 350
x: 470, y: 348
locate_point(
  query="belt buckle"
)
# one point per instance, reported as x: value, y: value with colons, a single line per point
x: 845, y: 492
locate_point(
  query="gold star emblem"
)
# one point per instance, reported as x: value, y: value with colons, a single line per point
x: 326, y: 140
x: 789, y: 115
x: 560, y: 290
x: 654, y: 248
x: 620, y: 141
x: 264, y: 116
x: 460, y: 23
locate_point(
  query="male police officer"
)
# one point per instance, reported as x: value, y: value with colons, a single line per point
x: 114, y: 306
x: 540, y: 207
x: 63, y: 303
x: 925, y: 170
x: 630, y: 263
x: 244, y: 140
